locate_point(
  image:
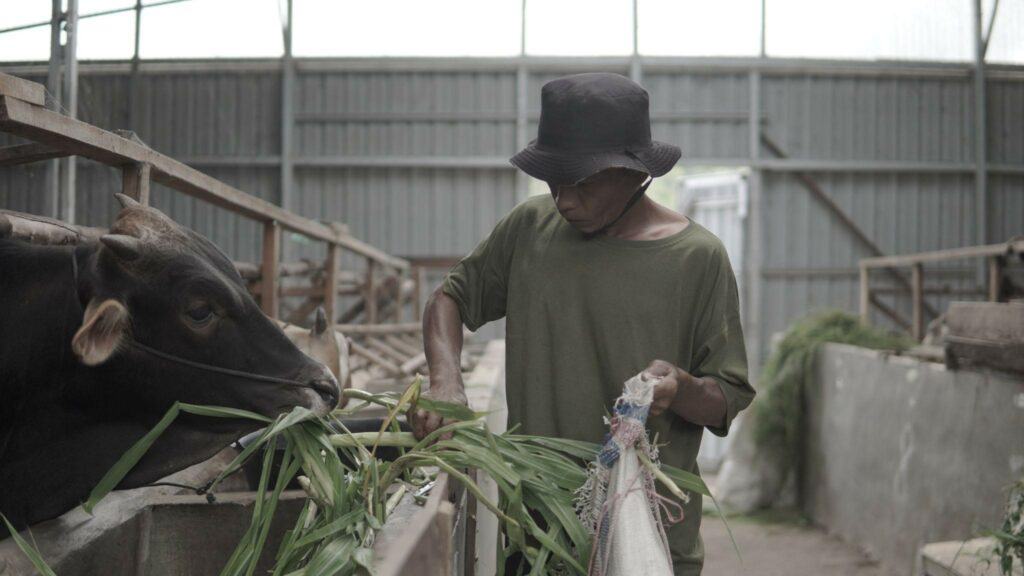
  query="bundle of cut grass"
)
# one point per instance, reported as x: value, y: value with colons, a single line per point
x: 347, y: 503
x: 778, y: 409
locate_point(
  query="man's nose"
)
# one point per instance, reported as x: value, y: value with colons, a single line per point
x: 565, y: 199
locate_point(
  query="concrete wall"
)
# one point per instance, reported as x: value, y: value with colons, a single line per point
x: 900, y: 452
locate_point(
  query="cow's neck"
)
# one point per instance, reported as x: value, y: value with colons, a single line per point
x: 41, y: 310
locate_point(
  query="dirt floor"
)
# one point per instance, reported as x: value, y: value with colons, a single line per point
x: 779, y: 544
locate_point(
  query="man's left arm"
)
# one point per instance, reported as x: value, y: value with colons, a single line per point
x: 717, y: 387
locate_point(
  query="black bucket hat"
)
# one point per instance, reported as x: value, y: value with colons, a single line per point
x: 591, y: 122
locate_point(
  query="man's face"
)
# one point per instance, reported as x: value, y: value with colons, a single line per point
x: 591, y: 204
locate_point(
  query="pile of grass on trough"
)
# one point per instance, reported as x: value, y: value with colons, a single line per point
x: 779, y: 407
x: 347, y: 504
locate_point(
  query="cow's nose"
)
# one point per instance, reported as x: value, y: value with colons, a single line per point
x: 327, y: 387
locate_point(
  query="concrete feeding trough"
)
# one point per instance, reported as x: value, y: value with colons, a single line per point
x: 147, y: 532
x: 956, y: 558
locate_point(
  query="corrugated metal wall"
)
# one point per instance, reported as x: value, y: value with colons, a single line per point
x: 411, y: 155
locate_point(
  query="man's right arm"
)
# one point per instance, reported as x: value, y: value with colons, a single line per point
x: 442, y: 344
x: 472, y: 294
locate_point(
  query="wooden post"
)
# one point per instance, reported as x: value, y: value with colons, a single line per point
x: 865, y: 295
x: 917, y: 299
x: 469, y: 535
x: 331, y: 283
x: 417, y: 290
x: 135, y: 181
x: 995, y: 278
x: 371, y: 292
x: 271, y: 253
x: 399, y: 297
x: 332, y: 273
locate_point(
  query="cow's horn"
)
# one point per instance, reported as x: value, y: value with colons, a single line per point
x: 126, y: 200
x: 320, y: 325
x: 125, y: 247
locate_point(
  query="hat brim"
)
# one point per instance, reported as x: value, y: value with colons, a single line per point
x: 565, y: 168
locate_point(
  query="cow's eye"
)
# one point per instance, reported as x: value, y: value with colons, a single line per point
x: 200, y: 314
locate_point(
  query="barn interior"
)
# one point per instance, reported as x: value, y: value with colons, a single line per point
x: 862, y: 164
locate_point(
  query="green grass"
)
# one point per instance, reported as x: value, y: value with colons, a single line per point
x: 778, y: 410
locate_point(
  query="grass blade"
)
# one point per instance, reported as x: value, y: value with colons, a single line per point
x: 28, y: 550
x: 128, y: 461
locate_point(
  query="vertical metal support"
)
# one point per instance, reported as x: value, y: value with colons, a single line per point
x: 980, y: 156
x: 134, y: 104
x: 636, y: 73
x: 917, y: 301
x: 754, y: 236
x: 522, y: 113
x: 522, y: 28
x: 865, y: 295
x: 135, y: 181
x: 995, y: 278
x: 331, y: 283
x: 764, y: 27
x: 287, y: 175
x: 268, y: 271
x: 287, y: 113
x: 522, y: 130
x: 370, y: 292
x: 51, y: 194
x: 70, y: 103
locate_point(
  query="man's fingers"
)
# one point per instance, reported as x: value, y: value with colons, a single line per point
x: 658, y: 369
x: 431, y: 422
x: 447, y: 435
x: 415, y: 418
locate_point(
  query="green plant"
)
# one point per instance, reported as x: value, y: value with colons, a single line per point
x: 346, y: 504
x: 1010, y: 537
x: 779, y: 407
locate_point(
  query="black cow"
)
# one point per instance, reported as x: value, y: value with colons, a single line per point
x: 98, y: 340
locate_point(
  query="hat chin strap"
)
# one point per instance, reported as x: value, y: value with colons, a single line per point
x: 632, y: 201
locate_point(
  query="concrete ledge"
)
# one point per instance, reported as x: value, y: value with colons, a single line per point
x: 899, y: 452
x: 970, y: 558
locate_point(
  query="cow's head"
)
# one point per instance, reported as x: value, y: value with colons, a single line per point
x: 163, y: 304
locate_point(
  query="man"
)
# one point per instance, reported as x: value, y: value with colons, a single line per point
x: 597, y: 283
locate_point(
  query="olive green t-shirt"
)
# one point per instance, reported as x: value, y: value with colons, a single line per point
x: 584, y: 315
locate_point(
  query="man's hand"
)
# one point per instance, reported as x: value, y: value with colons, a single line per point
x: 697, y: 400
x: 665, y: 391
x: 423, y: 422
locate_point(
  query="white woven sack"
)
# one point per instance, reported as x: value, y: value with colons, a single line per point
x: 617, y: 502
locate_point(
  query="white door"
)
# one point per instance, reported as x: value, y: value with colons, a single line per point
x: 717, y: 202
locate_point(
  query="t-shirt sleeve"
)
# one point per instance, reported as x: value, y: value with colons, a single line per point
x: 720, y: 350
x: 479, y: 282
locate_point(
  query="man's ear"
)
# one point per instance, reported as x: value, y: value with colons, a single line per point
x: 104, y: 326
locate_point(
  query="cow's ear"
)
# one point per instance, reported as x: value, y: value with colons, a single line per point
x: 104, y: 326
